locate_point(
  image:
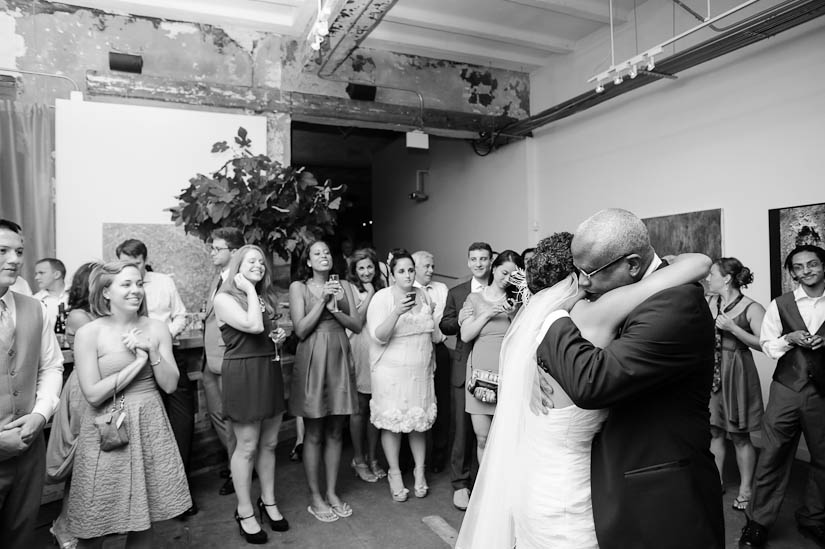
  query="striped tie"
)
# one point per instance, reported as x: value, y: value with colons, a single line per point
x: 6, y: 326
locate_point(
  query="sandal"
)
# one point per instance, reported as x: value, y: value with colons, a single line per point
x: 343, y: 510
x: 399, y: 493
x: 420, y: 486
x: 740, y: 503
x: 363, y: 472
x: 324, y: 516
x: 377, y: 470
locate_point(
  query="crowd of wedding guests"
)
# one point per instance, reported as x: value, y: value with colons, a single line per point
x: 371, y: 358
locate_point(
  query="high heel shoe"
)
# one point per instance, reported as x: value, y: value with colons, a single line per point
x: 280, y: 525
x: 420, y: 486
x: 362, y: 471
x: 377, y: 470
x: 258, y: 538
x: 399, y: 493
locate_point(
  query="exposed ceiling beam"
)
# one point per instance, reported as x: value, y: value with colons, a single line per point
x: 278, y: 17
x: 400, y: 39
x: 305, y: 107
x: 427, y: 19
x: 594, y: 10
x: 349, y: 23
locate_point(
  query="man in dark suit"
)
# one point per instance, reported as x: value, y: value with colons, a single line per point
x: 31, y: 370
x: 462, y: 456
x: 225, y: 241
x: 654, y: 482
x: 793, y: 332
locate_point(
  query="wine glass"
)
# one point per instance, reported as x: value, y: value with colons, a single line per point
x: 336, y: 279
x: 274, y: 334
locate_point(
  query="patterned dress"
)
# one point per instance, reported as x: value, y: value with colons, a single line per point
x: 403, y: 393
x: 129, y: 488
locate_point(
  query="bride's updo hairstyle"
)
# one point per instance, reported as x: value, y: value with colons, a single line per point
x: 551, y: 263
x: 740, y: 276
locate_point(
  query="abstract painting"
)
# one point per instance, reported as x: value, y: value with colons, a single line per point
x: 787, y: 229
x: 687, y: 232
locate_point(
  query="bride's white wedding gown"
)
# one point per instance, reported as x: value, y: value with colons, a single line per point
x: 555, y: 507
x: 533, y: 487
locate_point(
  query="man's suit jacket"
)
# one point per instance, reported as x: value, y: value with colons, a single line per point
x: 654, y: 482
x: 449, y: 326
x: 213, y: 346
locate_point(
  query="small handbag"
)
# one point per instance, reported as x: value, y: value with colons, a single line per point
x: 483, y: 385
x: 112, y: 425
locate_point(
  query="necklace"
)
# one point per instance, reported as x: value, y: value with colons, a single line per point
x: 495, y: 299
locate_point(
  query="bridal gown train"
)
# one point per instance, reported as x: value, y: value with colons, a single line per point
x: 554, y: 509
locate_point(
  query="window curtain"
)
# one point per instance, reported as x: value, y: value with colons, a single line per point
x: 26, y: 177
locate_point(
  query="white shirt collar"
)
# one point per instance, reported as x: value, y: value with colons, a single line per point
x: 8, y: 299
x: 475, y: 285
x: 799, y: 294
x: 224, y: 273
x: 653, y: 265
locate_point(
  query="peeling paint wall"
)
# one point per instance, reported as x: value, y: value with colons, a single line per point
x: 70, y: 40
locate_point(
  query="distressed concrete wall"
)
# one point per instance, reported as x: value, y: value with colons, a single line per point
x: 51, y: 37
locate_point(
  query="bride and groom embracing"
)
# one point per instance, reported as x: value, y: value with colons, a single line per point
x: 601, y: 434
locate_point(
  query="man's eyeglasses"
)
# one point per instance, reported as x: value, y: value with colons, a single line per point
x: 603, y: 267
x: 215, y: 249
x: 799, y: 268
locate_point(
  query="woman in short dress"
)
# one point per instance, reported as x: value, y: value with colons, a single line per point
x: 253, y: 386
x: 493, y: 308
x: 365, y: 279
x: 323, y: 389
x: 400, y: 321
x: 736, y: 394
x: 124, y: 353
x: 70, y: 410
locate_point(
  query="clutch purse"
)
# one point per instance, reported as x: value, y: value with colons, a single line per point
x: 483, y: 385
x: 112, y: 425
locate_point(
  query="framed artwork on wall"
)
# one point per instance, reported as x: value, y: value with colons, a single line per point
x: 788, y: 228
x: 687, y: 232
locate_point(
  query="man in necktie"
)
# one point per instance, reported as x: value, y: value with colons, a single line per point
x: 31, y: 376
x: 437, y: 292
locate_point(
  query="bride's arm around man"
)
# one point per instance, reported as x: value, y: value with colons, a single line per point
x: 654, y: 482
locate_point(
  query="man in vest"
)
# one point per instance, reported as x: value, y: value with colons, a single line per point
x: 792, y: 333
x: 31, y: 376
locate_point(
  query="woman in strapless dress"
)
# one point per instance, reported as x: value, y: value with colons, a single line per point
x: 124, y: 353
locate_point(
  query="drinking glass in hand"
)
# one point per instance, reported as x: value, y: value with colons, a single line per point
x: 275, y: 334
x: 334, y: 278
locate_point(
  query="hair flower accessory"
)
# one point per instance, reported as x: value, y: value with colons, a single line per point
x: 518, y: 278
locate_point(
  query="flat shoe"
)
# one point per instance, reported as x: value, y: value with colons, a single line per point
x: 323, y: 516
x: 362, y: 471
x: 740, y: 503
x: 343, y: 510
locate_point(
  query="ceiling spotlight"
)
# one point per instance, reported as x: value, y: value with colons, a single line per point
x: 618, y: 80
x: 651, y: 63
x: 633, y: 71
x: 599, y: 88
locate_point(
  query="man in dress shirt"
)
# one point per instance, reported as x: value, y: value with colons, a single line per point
x: 50, y: 277
x: 163, y: 303
x: 437, y: 291
x: 31, y: 370
x: 792, y: 333
x: 225, y: 242
x: 463, y: 462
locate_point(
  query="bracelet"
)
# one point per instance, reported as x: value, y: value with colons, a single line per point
x: 153, y: 364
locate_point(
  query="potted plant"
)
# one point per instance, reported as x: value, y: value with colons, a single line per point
x: 279, y: 208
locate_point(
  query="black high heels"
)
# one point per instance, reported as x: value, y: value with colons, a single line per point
x: 281, y: 525
x: 258, y: 538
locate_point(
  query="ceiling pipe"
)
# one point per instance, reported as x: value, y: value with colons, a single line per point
x: 767, y: 23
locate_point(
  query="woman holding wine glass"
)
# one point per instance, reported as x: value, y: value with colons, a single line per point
x: 253, y: 387
x: 323, y: 389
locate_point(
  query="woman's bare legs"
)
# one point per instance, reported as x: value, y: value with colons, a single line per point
x: 481, y: 427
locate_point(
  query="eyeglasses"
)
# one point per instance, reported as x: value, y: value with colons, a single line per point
x: 800, y: 268
x: 603, y: 267
x: 215, y: 250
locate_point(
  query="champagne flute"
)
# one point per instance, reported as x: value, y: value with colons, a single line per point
x: 274, y: 334
x: 334, y: 278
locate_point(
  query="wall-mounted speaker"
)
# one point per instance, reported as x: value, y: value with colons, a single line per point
x: 361, y: 92
x: 125, y: 62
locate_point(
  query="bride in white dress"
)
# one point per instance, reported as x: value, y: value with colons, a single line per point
x: 533, y: 487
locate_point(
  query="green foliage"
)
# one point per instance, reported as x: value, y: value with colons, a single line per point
x: 279, y: 208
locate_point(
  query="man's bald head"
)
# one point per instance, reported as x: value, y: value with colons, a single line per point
x: 612, y: 232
